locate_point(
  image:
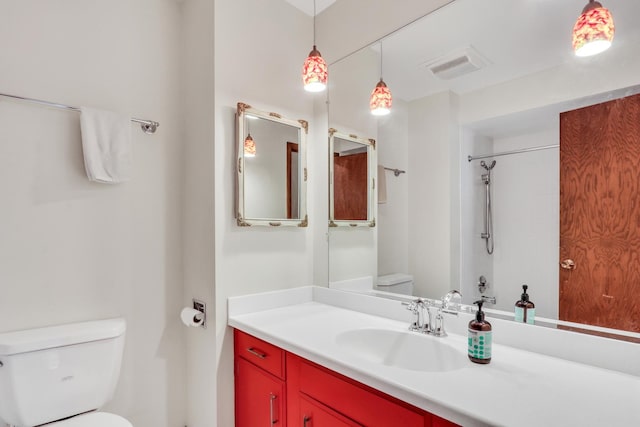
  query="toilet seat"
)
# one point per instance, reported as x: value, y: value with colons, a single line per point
x: 93, y: 419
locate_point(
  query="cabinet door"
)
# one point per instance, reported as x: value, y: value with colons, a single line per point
x: 356, y: 401
x: 315, y: 414
x: 259, y: 397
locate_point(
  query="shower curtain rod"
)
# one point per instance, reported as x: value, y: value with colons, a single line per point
x: 506, y: 153
x: 148, y: 126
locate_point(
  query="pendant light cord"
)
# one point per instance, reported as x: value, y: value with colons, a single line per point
x: 314, y: 23
x: 381, y: 60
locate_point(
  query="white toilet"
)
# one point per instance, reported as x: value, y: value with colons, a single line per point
x: 397, y: 283
x: 61, y: 375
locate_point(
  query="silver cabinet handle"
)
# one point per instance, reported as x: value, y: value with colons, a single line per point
x: 272, y: 420
x: 305, y: 420
x: 257, y: 353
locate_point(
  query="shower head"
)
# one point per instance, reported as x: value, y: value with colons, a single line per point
x: 488, y: 167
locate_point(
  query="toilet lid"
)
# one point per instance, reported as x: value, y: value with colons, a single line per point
x: 93, y: 419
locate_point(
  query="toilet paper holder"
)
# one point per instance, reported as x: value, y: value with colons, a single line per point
x: 200, y: 319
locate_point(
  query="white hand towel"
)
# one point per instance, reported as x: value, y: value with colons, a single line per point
x: 382, y: 185
x: 106, y: 144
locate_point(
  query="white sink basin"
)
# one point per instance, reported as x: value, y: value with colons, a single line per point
x: 406, y: 350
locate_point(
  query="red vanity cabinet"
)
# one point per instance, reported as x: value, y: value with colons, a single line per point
x: 260, y: 390
x: 309, y: 395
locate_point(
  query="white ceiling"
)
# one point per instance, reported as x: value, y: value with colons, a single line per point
x: 307, y: 5
x: 517, y: 37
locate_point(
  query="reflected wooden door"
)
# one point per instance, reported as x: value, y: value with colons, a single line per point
x: 350, y: 187
x: 600, y: 214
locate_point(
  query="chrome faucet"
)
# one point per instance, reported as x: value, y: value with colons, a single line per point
x: 428, y: 323
x: 451, y: 300
x: 419, y: 308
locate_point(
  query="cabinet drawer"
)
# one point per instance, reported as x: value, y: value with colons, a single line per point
x: 260, y: 353
x: 356, y: 402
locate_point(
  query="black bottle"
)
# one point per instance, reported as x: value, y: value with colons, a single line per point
x: 525, y: 310
x: 479, y: 338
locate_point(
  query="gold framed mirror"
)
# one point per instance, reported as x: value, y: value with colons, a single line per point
x: 352, y: 179
x: 271, y: 169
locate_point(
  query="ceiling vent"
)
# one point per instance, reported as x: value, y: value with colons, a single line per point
x: 456, y: 64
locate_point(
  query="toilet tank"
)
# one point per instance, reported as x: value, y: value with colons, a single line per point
x: 56, y: 372
x: 397, y: 283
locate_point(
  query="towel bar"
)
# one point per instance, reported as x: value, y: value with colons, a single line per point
x: 147, y: 126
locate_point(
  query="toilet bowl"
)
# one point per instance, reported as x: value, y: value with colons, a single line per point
x: 92, y: 419
x: 61, y: 375
x: 397, y: 283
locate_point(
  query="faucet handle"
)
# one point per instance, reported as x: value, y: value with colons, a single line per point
x: 413, y: 306
x: 416, y: 307
x: 437, y: 328
x: 452, y: 297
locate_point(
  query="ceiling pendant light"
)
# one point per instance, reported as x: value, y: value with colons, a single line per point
x: 249, y: 146
x: 314, y: 70
x: 249, y: 143
x: 594, y: 29
x: 381, y: 100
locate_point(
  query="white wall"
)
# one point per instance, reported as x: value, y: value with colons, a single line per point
x: 259, y: 51
x: 72, y: 250
x: 198, y: 201
x: 432, y: 143
x: 393, y: 216
x: 526, y: 218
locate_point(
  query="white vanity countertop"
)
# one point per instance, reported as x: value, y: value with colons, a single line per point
x: 518, y: 388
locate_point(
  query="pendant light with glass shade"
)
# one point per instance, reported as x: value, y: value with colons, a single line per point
x: 380, y: 100
x: 594, y: 30
x: 314, y: 70
x: 249, y: 143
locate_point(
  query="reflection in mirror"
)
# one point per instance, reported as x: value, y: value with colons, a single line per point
x: 511, y: 99
x: 271, y: 169
x: 352, y: 170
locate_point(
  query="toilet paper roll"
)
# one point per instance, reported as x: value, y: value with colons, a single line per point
x: 191, y: 316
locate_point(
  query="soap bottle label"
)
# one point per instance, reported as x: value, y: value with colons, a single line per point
x: 480, y: 344
x: 521, y: 313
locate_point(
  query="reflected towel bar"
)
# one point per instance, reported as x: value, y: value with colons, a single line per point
x: 396, y: 172
x: 147, y: 126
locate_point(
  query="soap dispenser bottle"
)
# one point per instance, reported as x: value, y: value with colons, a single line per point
x: 525, y: 310
x: 479, y: 338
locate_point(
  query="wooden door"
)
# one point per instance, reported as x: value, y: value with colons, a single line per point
x: 600, y: 214
x: 259, y: 397
x: 350, y: 194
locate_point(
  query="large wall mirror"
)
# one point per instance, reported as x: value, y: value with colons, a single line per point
x: 352, y: 171
x: 471, y: 87
x: 271, y: 169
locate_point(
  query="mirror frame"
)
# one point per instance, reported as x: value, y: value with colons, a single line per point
x: 371, y: 180
x: 303, y: 130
